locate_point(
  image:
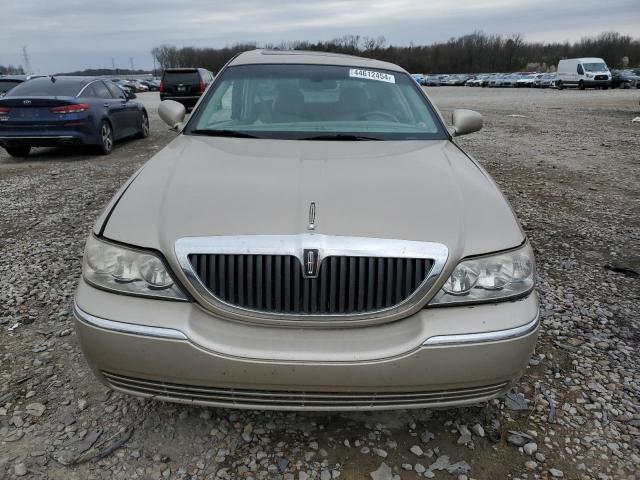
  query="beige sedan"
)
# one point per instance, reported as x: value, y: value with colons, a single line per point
x: 313, y: 239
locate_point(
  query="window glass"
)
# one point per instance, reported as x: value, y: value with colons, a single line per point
x: 47, y: 87
x: 6, y: 85
x: 116, y: 92
x: 580, y: 70
x: 101, y: 90
x: 595, y: 67
x: 303, y: 101
x: 176, y: 77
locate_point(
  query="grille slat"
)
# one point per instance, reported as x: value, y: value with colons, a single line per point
x: 241, y: 277
x: 259, y: 278
x: 344, y: 285
x: 346, y: 399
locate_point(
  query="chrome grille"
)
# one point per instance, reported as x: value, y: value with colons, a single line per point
x: 276, y: 284
x: 292, y: 400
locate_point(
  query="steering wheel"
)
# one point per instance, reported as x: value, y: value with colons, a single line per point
x: 386, y: 115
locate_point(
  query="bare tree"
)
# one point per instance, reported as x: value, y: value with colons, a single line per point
x: 473, y: 53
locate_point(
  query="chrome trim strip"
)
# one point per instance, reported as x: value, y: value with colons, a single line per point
x: 327, y: 245
x: 484, y: 337
x: 48, y: 137
x: 123, y: 327
x: 86, y: 86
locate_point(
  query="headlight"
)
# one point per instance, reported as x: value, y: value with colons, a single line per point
x: 488, y: 279
x: 126, y: 270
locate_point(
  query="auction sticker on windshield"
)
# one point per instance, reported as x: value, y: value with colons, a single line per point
x: 371, y: 75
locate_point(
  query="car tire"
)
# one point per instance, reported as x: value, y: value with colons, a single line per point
x: 106, y: 138
x: 559, y: 85
x: 144, y: 125
x: 605, y: 87
x: 18, y: 152
x: 581, y: 85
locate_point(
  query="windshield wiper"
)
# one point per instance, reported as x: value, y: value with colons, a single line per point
x: 340, y: 136
x: 223, y: 133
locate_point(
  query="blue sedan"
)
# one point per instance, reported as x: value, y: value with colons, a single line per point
x: 60, y: 111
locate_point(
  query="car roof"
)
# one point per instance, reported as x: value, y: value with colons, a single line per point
x: 183, y: 69
x: 14, y: 77
x: 254, y: 57
x: 583, y: 59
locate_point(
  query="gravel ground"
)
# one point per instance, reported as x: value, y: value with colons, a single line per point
x: 569, y: 162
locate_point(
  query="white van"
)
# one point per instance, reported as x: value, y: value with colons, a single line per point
x: 583, y: 73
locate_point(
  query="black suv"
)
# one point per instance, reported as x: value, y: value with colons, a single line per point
x: 184, y: 85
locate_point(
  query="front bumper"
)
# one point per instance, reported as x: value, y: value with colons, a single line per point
x: 177, y: 352
x: 597, y: 83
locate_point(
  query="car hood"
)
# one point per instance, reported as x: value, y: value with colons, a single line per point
x: 411, y: 190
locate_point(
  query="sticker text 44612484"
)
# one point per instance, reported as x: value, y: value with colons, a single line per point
x: 371, y: 75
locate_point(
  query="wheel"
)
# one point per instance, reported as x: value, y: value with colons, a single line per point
x: 559, y: 85
x: 144, y: 126
x: 106, y: 138
x: 605, y: 87
x: 20, y: 152
x: 581, y: 85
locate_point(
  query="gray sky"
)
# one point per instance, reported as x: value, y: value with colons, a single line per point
x: 63, y: 35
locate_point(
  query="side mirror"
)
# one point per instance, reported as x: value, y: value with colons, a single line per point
x: 465, y: 121
x: 172, y: 113
x: 129, y: 95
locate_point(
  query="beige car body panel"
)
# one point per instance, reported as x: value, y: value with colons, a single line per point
x: 421, y: 191
x: 237, y: 357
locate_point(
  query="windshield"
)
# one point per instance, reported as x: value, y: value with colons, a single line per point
x: 316, y: 102
x: 595, y: 67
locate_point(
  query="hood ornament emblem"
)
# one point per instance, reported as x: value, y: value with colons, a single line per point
x: 312, y: 216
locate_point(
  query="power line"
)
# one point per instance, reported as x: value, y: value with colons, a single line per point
x: 27, y: 63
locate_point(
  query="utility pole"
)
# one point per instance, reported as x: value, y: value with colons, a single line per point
x: 27, y: 64
x: 113, y: 65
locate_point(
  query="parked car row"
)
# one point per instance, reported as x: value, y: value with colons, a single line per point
x: 138, y: 86
x: 531, y: 80
x: 580, y: 73
x: 625, y: 78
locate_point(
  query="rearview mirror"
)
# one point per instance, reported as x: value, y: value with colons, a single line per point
x: 465, y: 121
x: 172, y: 113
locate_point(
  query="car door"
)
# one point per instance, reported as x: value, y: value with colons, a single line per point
x: 114, y: 107
x: 129, y: 114
x: 132, y: 115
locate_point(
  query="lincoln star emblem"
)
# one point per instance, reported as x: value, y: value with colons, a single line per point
x: 312, y: 216
x: 26, y: 102
x: 310, y: 264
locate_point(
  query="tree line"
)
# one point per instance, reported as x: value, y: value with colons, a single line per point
x: 477, y: 52
x: 11, y: 70
x: 97, y: 72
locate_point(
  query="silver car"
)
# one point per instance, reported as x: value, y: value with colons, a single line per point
x: 313, y: 239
